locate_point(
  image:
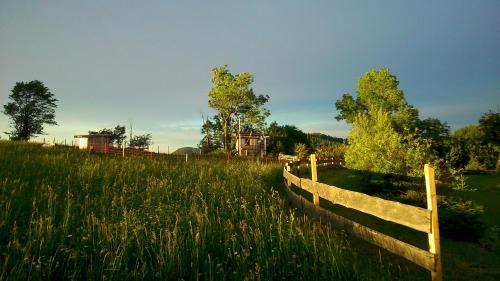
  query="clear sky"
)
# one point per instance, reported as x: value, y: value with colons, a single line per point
x: 109, y: 62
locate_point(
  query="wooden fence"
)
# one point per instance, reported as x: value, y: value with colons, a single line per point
x: 423, y: 220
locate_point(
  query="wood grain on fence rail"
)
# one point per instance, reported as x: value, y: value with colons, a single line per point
x: 421, y: 257
x: 407, y: 215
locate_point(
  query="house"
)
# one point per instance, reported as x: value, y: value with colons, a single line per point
x: 93, y: 142
x: 251, y: 144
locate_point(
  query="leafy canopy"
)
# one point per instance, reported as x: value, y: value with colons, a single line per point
x: 490, y: 125
x: 31, y: 106
x: 378, y: 89
x: 231, y: 95
x: 141, y: 141
x: 375, y: 146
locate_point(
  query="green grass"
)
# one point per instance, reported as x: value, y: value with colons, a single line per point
x: 68, y: 215
x: 461, y: 260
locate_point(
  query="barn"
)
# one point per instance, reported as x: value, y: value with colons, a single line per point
x: 93, y: 142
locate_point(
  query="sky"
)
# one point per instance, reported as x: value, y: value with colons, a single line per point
x: 149, y: 62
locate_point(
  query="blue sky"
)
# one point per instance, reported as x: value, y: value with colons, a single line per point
x: 109, y: 62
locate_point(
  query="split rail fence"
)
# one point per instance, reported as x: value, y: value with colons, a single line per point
x: 420, y: 219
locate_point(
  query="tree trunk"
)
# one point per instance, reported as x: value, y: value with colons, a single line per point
x: 225, y: 120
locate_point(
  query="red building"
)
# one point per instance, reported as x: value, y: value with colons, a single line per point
x: 93, y: 142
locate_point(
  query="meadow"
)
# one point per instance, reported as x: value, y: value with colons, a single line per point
x: 68, y: 215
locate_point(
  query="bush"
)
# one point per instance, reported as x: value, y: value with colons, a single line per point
x: 375, y: 146
x: 491, y: 239
x: 300, y: 150
x: 460, y: 219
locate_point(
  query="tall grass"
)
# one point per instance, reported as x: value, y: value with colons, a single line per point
x: 68, y: 215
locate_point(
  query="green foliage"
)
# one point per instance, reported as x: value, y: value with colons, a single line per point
x: 319, y: 139
x: 459, y: 180
x: 378, y: 90
x: 300, y: 150
x: 490, y: 125
x: 141, y: 141
x: 476, y: 153
x: 32, y: 106
x: 232, y: 96
x: 491, y: 239
x: 212, y: 135
x: 436, y: 132
x: 457, y: 156
x: 375, y: 146
x: 331, y: 150
x: 284, y: 137
x: 460, y: 219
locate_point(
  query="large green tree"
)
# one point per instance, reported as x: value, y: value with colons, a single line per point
x: 231, y: 95
x: 374, y: 145
x: 31, y: 106
x: 378, y: 89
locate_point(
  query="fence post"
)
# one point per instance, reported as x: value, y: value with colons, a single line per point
x: 287, y: 167
x: 123, y: 149
x: 186, y: 157
x: 314, y: 178
x: 434, y: 241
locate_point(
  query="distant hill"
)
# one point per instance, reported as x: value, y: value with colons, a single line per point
x: 186, y: 150
x: 322, y: 139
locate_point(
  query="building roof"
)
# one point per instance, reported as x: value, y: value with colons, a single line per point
x: 254, y: 135
x: 92, y: 135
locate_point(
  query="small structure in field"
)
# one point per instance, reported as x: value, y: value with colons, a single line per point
x: 93, y: 142
x: 251, y: 144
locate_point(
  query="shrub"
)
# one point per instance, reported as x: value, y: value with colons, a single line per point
x: 460, y: 219
x: 491, y: 239
x: 300, y: 150
x: 375, y: 146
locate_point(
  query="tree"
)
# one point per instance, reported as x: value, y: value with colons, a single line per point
x: 253, y: 118
x: 232, y: 95
x: 117, y: 135
x: 300, y: 150
x: 490, y: 125
x: 437, y: 133
x: 480, y: 153
x: 141, y: 141
x: 282, y: 138
x: 377, y: 147
x: 212, y: 139
x: 378, y: 89
x: 32, y: 106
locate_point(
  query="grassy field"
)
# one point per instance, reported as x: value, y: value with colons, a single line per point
x: 461, y: 260
x: 68, y: 215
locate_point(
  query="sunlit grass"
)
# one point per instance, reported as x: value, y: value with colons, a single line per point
x: 68, y: 215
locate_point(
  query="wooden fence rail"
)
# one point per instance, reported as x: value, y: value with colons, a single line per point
x: 424, y: 220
